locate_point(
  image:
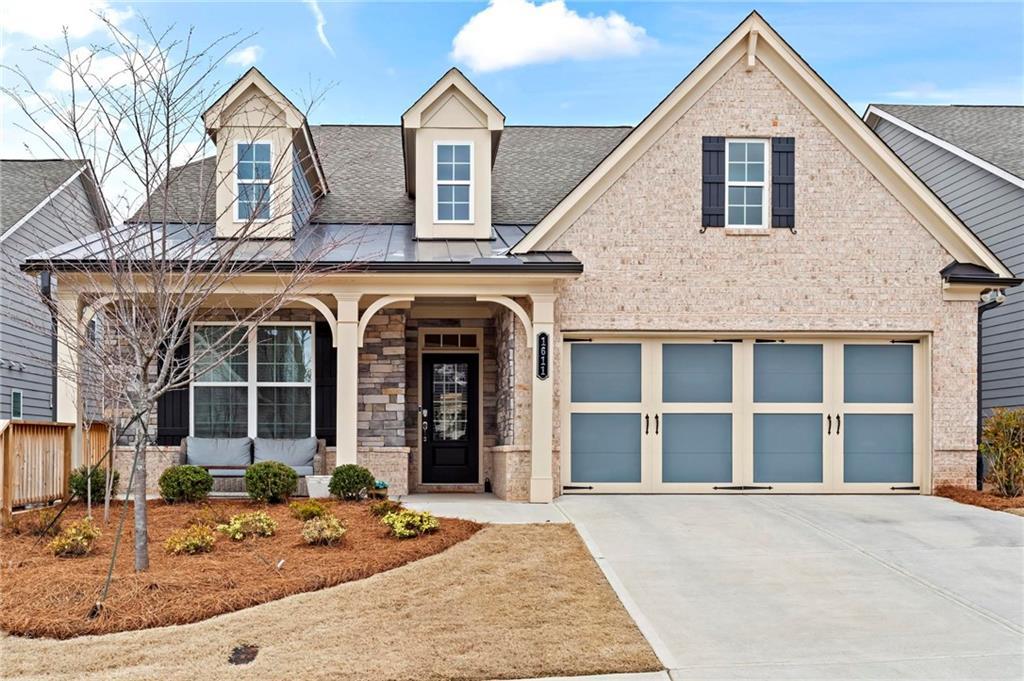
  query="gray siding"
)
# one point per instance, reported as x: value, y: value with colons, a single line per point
x: 994, y: 210
x: 25, y: 336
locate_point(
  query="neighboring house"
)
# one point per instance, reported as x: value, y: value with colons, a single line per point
x: 972, y: 157
x: 748, y: 291
x: 42, y: 204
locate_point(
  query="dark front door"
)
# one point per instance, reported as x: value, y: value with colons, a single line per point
x: 450, y: 423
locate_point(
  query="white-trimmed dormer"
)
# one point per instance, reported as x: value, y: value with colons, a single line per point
x: 450, y: 138
x: 268, y: 173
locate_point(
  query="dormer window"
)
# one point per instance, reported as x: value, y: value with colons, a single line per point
x: 453, y: 182
x: 253, y: 171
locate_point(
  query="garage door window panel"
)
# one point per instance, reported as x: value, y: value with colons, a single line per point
x: 697, y: 448
x: 788, y: 448
x: 606, y: 372
x: 606, y: 448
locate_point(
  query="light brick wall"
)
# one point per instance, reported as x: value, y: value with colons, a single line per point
x: 858, y: 262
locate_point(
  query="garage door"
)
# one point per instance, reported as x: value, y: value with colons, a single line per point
x: 744, y: 415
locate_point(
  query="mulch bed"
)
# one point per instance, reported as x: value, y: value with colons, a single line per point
x: 984, y: 499
x: 47, y: 596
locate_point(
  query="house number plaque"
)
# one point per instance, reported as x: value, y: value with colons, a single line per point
x: 543, y: 355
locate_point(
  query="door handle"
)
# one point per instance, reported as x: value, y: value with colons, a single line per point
x: 839, y: 423
x: 655, y: 424
x: 829, y: 425
x: 647, y: 424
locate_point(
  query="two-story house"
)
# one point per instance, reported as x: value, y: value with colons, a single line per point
x: 746, y: 292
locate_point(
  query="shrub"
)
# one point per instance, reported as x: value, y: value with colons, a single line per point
x: 323, y: 530
x: 185, y: 483
x: 270, y: 481
x: 382, y: 508
x: 79, y: 481
x: 406, y: 523
x: 255, y: 524
x: 37, y: 523
x: 307, y: 510
x: 209, y: 515
x: 75, y: 540
x: 1002, y: 446
x: 351, y: 482
x: 191, y: 540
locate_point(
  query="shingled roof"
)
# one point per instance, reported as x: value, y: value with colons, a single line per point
x: 24, y: 184
x: 992, y: 133
x: 535, y: 167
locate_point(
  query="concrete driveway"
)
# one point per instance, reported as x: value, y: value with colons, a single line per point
x: 813, y: 587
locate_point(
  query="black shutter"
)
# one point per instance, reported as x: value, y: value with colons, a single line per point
x: 172, y: 407
x: 713, y: 172
x: 783, y: 186
x: 325, y: 384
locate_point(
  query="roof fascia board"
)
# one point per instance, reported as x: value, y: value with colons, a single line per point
x: 873, y: 113
x: 814, y: 93
x: 28, y: 216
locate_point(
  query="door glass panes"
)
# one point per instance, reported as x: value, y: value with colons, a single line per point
x: 605, y: 372
x: 696, y: 372
x: 787, y: 448
x: 878, y: 448
x: 696, y: 448
x: 222, y: 411
x: 283, y: 412
x: 878, y: 373
x: 220, y: 354
x: 450, y: 413
x: 787, y: 373
x: 284, y: 354
x: 605, y: 447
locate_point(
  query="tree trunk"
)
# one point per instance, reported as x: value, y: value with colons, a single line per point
x: 139, y: 492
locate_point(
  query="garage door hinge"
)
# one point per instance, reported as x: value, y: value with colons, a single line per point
x: 768, y: 340
x: 565, y: 487
x: 727, y: 340
x: 741, y: 487
x: 913, y: 341
x: 914, y: 488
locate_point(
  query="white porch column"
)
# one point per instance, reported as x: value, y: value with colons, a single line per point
x: 348, y: 377
x: 542, y: 399
x: 68, y: 399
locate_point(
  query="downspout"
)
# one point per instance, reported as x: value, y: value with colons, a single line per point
x: 46, y: 281
x: 989, y: 300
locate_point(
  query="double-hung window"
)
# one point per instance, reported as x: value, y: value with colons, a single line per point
x: 253, y: 185
x: 264, y: 388
x: 453, y: 186
x: 745, y: 183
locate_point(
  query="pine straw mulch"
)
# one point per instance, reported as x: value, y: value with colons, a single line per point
x: 47, y: 596
x: 987, y: 500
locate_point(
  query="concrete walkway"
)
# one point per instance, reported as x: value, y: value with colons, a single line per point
x: 484, y: 508
x: 815, y: 587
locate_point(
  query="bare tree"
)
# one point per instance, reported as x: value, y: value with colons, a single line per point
x: 133, y: 109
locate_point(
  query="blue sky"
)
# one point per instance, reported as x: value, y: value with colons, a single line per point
x: 571, y: 62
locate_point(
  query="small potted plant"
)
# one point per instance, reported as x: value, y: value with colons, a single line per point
x: 317, y: 486
x: 380, y: 489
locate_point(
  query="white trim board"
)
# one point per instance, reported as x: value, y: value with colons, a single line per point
x: 939, y: 142
x: 28, y: 216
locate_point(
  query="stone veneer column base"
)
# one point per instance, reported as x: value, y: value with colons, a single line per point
x: 158, y: 459
x: 510, y: 466
x: 390, y: 464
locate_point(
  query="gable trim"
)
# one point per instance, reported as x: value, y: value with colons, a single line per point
x: 939, y: 142
x: 56, y: 192
x: 814, y: 93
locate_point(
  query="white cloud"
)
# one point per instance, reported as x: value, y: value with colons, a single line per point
x: 321, y: 22
x: 510, y: 33
x: 47, y: 22
x: 247, y: 56
x: 983, y: 93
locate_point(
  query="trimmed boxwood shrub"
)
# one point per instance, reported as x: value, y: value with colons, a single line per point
x: 185, y: 483
x: 270, y: 481
x: 190, y: 540
x: 79, y: 480
x: 351, y: 482
x: 75, y: 540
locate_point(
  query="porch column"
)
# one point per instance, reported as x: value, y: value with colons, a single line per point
x: 348, y: 378
x: 68, y: 399
x: 541, y: 484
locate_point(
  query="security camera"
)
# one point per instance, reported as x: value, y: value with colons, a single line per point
x: 993, y: 296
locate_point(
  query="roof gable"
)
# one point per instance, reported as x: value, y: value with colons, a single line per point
x: 28, y: 185
x: 754, y: 40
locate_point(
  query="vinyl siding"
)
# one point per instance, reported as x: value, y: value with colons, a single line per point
x: 25, y: 324
x: 994, y: 210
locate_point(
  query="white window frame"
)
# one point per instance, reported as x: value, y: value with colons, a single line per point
x: 240, y: 181
x: 763, y: 184
x: 467, y: 183
x: 21, y: 404
x: 252, y: 384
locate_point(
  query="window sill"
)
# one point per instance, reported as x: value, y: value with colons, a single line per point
x: 748, y: 231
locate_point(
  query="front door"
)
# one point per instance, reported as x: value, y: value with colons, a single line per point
x: 450, y: 413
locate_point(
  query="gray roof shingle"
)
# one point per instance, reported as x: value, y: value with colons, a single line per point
x: 24, y: 184
x: 535, y: 167
x: 992, y: 133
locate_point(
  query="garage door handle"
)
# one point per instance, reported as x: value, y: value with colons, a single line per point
x: 839, y: 423
x: 655, y: 424
x: 647, y: 424
x: 829, y: 424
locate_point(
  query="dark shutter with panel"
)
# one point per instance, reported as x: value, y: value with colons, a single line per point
x: 713, y: 172
x: 783, y: 186
x: 325, y: 384
x: 172, y: 407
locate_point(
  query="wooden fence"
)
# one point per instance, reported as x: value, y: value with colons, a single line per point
x: 36, y: 461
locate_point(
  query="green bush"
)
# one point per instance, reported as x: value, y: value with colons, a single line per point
x: 75, y: 540
x: 191, y: 540
x: 185, y: 483
x: 80, y: 476
x: 210, y: 515
x: 1002, y: 446
x: 323, y: 530
x: 307, y: 510
x: 351, y: 482
x: 382, y: 508
x: 243, y: 525
x: 270, y: 481
x: 406, y: 523
x: 37, y: 523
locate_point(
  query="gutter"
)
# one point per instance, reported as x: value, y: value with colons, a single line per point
x: 470, y: 267
x: 991, y: 300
